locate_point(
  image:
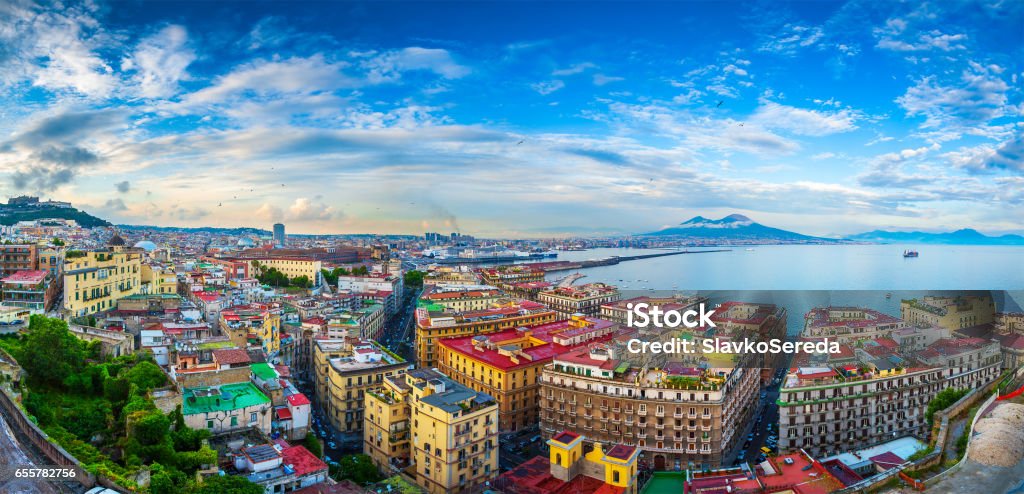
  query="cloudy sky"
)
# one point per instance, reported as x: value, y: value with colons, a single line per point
x: 518, y: 118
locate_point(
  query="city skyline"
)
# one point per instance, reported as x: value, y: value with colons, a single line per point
x: 509, y: 119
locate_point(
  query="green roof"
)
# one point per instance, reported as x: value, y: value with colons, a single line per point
x: 664, y: 483
x: 231, y: 397
x: 215, y: 345
x: 263, y: 371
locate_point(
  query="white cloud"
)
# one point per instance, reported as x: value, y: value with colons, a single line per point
x: 791, y: 39
x: 823, y: 156
x: 977, y: 98
x: 160, y: 61
x: 803, y: 121
x: 574, y: 69
x: 261, y: 78
x: 389, y: 66
x: 601, y: 79
x: 547, y: 87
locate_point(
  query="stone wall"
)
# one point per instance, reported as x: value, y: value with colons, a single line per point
x: 205, y: 379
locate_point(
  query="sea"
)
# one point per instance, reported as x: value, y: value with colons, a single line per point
x: 801, y: 277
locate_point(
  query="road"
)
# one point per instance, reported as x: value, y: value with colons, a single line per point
x: 13, y: 455
x: 768, y: 411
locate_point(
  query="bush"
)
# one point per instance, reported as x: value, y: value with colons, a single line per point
x: 944, y: 400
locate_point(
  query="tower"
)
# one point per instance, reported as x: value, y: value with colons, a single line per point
x: 279, y: 238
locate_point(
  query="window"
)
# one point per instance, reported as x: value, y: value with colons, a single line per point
x: 252, y: 417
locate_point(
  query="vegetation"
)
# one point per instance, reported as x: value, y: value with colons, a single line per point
x: 921, y: 453
x: 84, y: 219
x: 302, y: 282
x: 331, y: 277
x: 313, y: 445
x: 57, y: 242
x: 358, y: 468
x: 414, y: 279
x: 229, y: 484
x: 99, y: 410
x: 943, y: 400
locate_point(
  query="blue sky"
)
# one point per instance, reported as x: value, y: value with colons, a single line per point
x: 518, y: 118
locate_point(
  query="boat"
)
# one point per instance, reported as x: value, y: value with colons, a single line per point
x: 910, y: 253
x: 888, y: 295
x: 749, y: 249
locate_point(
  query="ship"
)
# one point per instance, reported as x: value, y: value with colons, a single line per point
x: 910, y: 253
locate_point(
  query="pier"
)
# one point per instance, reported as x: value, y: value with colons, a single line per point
x: 611, y: 261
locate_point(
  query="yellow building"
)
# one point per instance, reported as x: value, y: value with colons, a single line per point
x: 344, y: 369
x: 568, y: 468
x: 949, y: 312
x: 253, y: 325
x: 159, y: 279
x: 434, y: 321
x: 453, y: 431
x: 293, y: 267
x: 95, y: 280
x: 507, y: 364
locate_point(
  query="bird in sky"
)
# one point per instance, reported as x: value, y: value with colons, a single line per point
x: 520, y: 142
x: 719, y: 104
x: 219, y: 204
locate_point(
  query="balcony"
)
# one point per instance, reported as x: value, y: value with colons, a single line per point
x: 659, y: 413
x: 588, y: 405
x: 604, y: 408
x: 678, y: 415
x: 642, y: 413
x: 660, y: 427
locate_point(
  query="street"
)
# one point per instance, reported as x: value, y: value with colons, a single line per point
x: 766, y: 414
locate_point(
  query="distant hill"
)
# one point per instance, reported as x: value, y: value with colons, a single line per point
x: 734, y: 227
x: 202, y: 229
x: 966, y: 236
x: 11, y: 215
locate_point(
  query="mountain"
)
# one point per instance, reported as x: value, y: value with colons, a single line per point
x: 10, y: 215
x: 734, y: 227
x: 966, y: 236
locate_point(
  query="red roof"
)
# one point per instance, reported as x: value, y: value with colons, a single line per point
x: 31, y: 277
x: 621, y: 452
x: 297, y: 399
x: 565, y: 437
x: 302, y: 460
x: 283, y: 413
x: 887, y: 460
x: 230, y: 356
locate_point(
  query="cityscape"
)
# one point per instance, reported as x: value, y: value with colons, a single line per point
x: 504, y: 247
x: 169, y: 360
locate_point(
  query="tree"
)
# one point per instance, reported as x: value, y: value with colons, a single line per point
x: 151, y: 427
x: 146, y: 375
x: 414, y: 279
x: 228, y: 484
x: 51, y: 353
x: 331, y: 277
x: 58, y: 242
x: 313, y: 445
x: 360, y: 271
x: 301, y: 281
x: 358, y: 468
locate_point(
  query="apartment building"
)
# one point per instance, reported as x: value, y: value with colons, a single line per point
x: 584, y: 299
x: 95, y: 280
x: 364, y: 320
x: 452, y: 437
x: 827, y: 409
x: 227, y: 407
x: 460, y: 298
x: 451, y: 275
x: 159, y: 279
x: 389, y: 289
x: 949, y: 312
x: 35, y: 290
x: 514, y: 273
x: 343, y: 371
x: 569, y: 468
x: 507, y: 364
x: 253, y: 325
x: 18, y: 257
x: 846, y: 324
x: 435, y: 321
x: 678, y: 416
